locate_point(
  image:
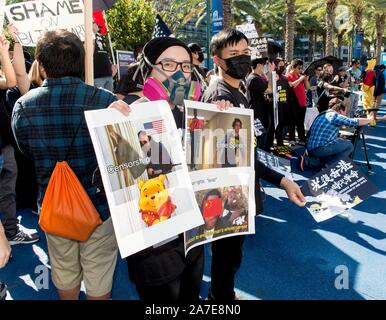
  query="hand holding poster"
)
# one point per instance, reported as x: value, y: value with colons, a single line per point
x: 337, y: 188
x: 144, y: 175
x: 32, y: 18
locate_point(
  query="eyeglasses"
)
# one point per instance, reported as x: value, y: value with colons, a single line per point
x: 172, y: 65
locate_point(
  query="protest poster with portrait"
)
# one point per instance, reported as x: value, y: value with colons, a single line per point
x: 144, y: 174
x: 218, y: 139
x: 224, y: 198
x: 335, y: 189
x: 32, y: 18
x: 220, y: 156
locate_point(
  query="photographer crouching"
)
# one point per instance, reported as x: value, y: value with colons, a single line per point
x: 323, y: 145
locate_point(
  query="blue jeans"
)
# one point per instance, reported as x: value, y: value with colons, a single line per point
x: 105, y: 82
x: 331, y: 153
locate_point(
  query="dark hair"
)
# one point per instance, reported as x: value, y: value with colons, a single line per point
x: 128, y: 84
x: 355, y: 61
x: 61, y: 53
x: 257, y: 61
x: 296, y: 62
x: 235, y: 121
x: 224, y: 39
x: 138, y: 49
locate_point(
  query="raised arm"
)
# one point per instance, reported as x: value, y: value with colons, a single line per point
x: 22, y: 80
x: 10, y: 78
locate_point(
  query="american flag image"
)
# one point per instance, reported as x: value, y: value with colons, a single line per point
x: 160, y: 28
x: 154, y: 127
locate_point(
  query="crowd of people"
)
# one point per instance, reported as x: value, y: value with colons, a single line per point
x: 42, y: 122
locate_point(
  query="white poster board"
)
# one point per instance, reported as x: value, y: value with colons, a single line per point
x: 149, y: 202
x: 220, y: 156
x: 32, y: 18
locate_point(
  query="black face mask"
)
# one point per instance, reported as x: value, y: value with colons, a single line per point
x: 280, y: 70
x: 238, y: 67
x: 200, y: 56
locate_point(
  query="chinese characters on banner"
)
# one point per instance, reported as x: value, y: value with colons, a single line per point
x: 259, y: 47
x: 339, y: 187
x: 280, y: 165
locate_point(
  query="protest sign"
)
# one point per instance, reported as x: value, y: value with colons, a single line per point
x: 335, y: 189
x: 259, y: 47
x: 220, y: 156
x: 32, y: 18
x: 224, y: 140
x: 124, y: 59
x: 248, y: 29
x: 280, y: 165
x: 144, y: 175
x: 224, y: 197
x: 257, y: 43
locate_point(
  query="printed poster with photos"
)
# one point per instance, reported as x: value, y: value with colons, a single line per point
x: 223, y: 197
x: 144, y: 175
x: 220, y: 157
x: 335, y: 189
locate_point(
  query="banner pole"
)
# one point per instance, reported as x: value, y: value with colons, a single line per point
x: 108, y: 34
x: 88, y: 42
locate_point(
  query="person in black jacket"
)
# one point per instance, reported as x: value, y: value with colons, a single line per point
x: 230, y: 52
x: 163, y: 273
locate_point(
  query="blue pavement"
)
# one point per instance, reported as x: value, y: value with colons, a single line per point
x: 290, y: 256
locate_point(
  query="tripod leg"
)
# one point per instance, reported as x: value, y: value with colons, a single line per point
x: 365, y: 148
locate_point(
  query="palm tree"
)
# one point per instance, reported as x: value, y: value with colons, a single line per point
x: 227, y: 13
x: 380, y: 27
x: 289, y: 29
x: 330, y: 18
x: 267, y: 14
x: 306, y: 22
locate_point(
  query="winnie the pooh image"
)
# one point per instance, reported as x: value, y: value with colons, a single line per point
x: 155, y: 203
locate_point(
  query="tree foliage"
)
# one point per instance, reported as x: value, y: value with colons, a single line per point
x: 131, y: 22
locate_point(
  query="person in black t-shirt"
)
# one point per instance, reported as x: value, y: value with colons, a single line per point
x: 259, y: 87
x: 230, y: 52
x: 198, y: 58
x: 286, y: 102
x: 103, y: 69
